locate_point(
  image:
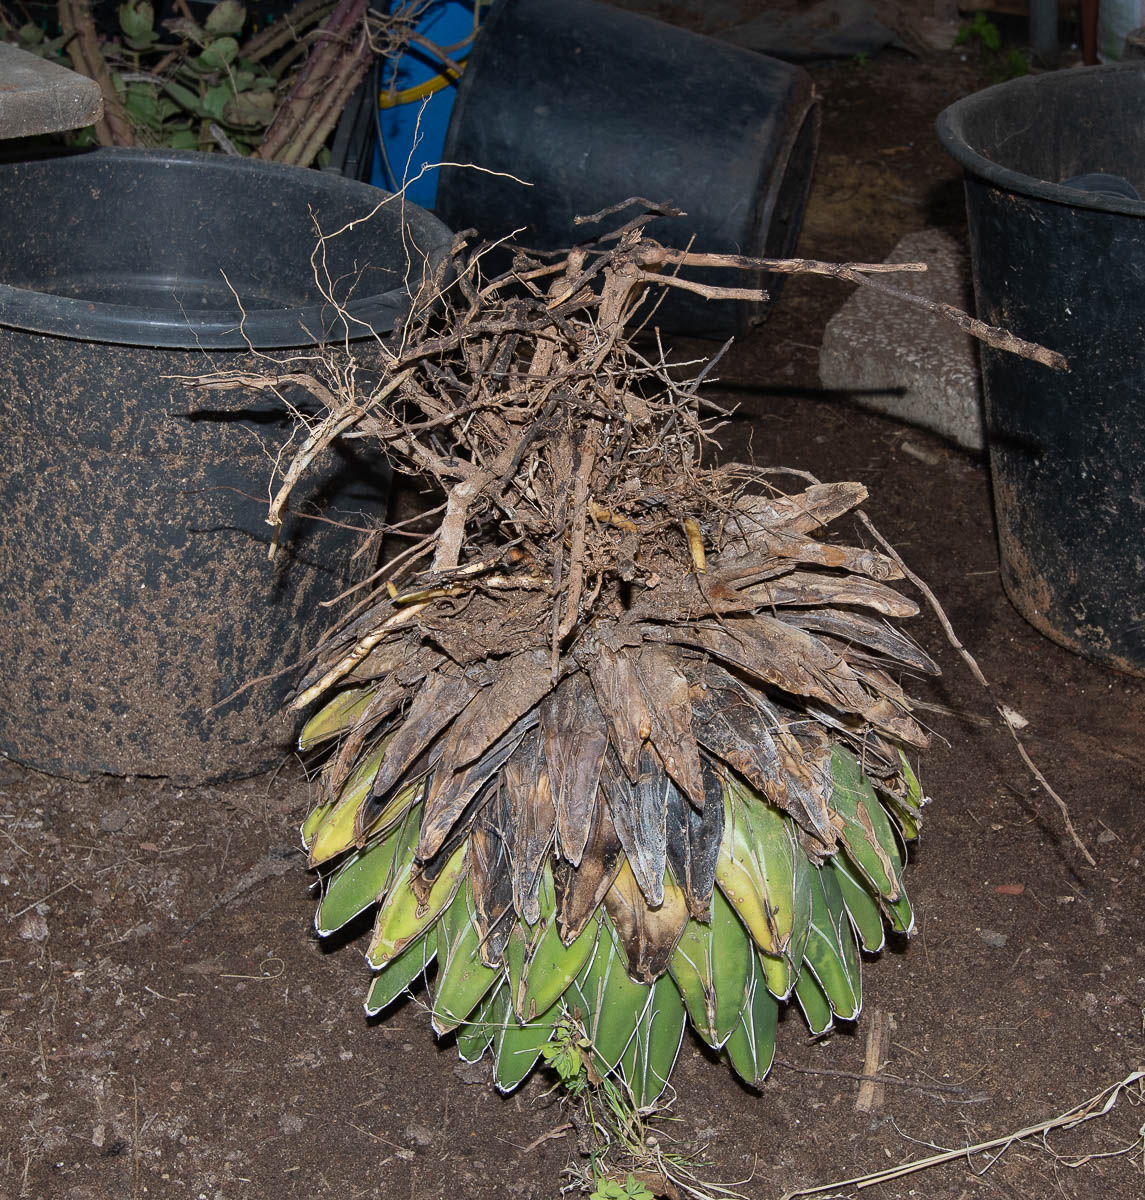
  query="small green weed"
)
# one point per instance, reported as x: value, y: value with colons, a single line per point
x: 622, y: 1149
x: 630, y: 1189
x: 980, y: 30
x: 983, y: 33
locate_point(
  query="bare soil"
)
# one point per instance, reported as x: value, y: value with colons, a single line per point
x: 169, y: 1025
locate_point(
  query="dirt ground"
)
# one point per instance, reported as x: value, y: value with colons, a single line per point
x: 170, y: 1027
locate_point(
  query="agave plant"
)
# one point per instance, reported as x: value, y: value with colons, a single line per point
x: 630, y: 751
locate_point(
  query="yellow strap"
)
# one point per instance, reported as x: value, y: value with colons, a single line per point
x: 411, y: 95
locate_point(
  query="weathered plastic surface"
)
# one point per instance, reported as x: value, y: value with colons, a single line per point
x: 136, y: 589
x: 1064, y: 267
x: 591, y: 105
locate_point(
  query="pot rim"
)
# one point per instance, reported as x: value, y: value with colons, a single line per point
x: 951, y: 130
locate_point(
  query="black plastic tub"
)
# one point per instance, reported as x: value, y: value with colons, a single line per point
x: 590, y: 105
x: 1064, y: 267
x: 137, y: 592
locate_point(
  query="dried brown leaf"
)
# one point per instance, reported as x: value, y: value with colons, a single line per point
x: 579, y: 890
x: 742, y: 729
x: 441, y: 697
x: 648, y: 934
x: 665, y: 690
x: 694, y: 844
x: 867, y: 631
x: 452, y: 790
x: 575, y: 740
x: 491, y: 879
x: 521, y: 681
x: 618, y: 693
x: 531, y: 819
x: 639, y: 812
x: 815, y: 588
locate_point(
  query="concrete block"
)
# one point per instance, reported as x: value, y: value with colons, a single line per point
x: 37, y: 96
x: 894, y: 358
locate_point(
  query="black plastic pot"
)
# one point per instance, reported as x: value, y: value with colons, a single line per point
x: 136, y: 588
x: 1065, y: 268
x: 591, y: 105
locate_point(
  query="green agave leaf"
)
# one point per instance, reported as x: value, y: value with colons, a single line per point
x: 751, y: 1047
x: 363, y: 880
x: 335, y: 717
x: 313, y: 819
x: 550, y: 966
x: 777, y: 973
x: 741, y: 875
x: 399, y: 973
x: 777, y: 854
x: 906, y: 809
x: 518, y: 1045
x: 516, y: 954
x: 651, y: 1054
x: 607, y: 1002
x: 463, y: 980
x: 712, y: 965
x: 814, y: 1003
x: 476, y: 1036
x: 914, y: 794
x: 403, y: 917
x: 831, y: 952
x: 900, y: 914
x: 866, y: 916
x: 866, y: 829
x: 335, y: 833
x: 801, y: 913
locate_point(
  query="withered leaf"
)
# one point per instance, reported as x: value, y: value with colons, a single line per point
x: 648, y: 934
x: 384, y: 657
x: 812, y: 588
x: 793, y: 548
x: 575, y: 740
x: 531, y: 818
x: 639, y: 812
x: 452, y: 790
x: 694, y: 844
x: 743, y: 729
x: 491, y: 879
x: 520, y: 682
x: 618, y: 694
x: 579, y: 890
x: 437, y: 702
x: 820, y: 504
x: 665, y: 691
x: 787, y: 658
x: 865, y: 631
x: 878, y: 756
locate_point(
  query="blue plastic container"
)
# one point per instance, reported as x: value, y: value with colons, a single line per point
x: 415, y: 106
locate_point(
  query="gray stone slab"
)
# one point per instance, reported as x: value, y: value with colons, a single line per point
x: 37, y: 96
x: 895, y: 358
